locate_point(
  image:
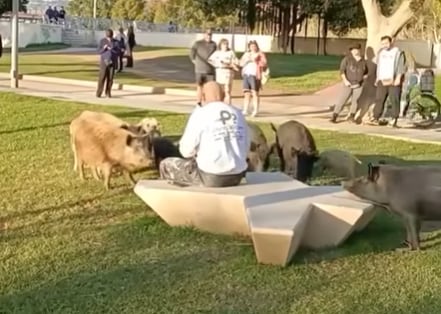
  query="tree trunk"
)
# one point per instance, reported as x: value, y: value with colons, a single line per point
x: 325, y: 34
x: 319, y: 20
x: 294, y: 10
x: 379, y: 25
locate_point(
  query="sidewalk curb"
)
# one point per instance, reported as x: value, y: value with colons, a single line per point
x: 153, y: 90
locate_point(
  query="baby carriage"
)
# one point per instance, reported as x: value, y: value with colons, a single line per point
x: 419, y: 105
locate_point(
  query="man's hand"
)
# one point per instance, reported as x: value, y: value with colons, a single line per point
x: 376, y: 83
x: 346, y: 82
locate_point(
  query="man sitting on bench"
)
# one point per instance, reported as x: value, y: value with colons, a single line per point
x: 215, y: 144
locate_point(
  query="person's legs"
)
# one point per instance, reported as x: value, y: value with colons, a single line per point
x: 121, y: 58
x: 394, y: 96
x: 109, y: 82
x: 200, y: 80
x: 180, y: 171
x: 255, y: 87
x: 380, y: 99
x: 102, y: 76
x: 246, y: 93
x: 227, y: 91
x: 356, y: 93
x: 343, y: 97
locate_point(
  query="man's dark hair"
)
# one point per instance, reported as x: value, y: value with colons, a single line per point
x: 109, y: 33
x: 386, y: 37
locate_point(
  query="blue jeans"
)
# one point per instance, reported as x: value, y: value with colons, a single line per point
x: 250, y: 83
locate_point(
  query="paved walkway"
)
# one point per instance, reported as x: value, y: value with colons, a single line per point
x: 311, y: 110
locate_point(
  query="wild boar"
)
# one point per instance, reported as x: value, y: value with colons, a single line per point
x: 341, y: 163
x: 296, y: 149
x: 150, y: 126
x: 105, y: 146
x: 258, y: 156
x: 412, y: 192
x: 164, y: 148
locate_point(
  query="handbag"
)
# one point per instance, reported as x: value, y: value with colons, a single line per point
x: 265, y: 76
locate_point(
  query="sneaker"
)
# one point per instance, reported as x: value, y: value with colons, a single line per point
x: 351, y: 118
x: 334, y: 118
x: 393, y: 123
x: 373, y: 121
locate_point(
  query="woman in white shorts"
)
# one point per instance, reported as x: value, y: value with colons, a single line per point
x: 225, y: 61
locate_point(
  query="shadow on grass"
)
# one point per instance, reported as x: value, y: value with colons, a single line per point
x: 102, y: 290
x: 44, y: 126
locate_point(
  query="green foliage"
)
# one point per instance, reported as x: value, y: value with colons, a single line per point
x: 6, y: 5
x: 190, y: 13
x: 128, y: 9
x: 84, y: 8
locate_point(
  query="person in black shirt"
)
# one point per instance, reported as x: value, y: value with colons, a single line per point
x: 353, y: 72
x: 199, y: 54
x: 109, y: 51
x: 130, y: 45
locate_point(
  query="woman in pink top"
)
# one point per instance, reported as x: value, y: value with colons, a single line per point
x: 253, y: 63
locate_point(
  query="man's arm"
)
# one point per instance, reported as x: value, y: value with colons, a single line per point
x: 401, y: 69
x: 102, y: 47
x: 193, y: 52
x: 343, y: 65
x: 190, y: 140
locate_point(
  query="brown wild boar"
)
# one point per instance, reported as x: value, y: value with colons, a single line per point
x: 412, y: 192
x: 105, y: 146
x: 146, y: 126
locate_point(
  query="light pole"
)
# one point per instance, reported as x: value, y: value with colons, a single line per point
x: 94, y: 14
x: 14, y: 44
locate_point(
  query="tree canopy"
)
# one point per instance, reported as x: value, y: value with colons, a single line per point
x: 6, y: 6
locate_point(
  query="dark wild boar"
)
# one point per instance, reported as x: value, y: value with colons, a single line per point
x: 296, y: 149
x: 412, y: 192
x: 258, y: 156
x: 164, y: 148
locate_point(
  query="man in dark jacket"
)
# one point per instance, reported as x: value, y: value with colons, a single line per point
x: 353, y: 71
x: 109, y: 51
x: 199, y: 54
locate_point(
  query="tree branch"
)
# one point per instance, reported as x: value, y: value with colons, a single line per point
x: 372, y: 11
x: 400, y: 17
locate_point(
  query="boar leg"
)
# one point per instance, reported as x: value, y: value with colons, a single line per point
x: 81, y: 169
x: 95, y: 173
x: 130, y: 177
x: 413, y: 232
x: 107, y: 172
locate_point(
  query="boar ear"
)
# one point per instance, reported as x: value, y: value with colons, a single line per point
x: 124, y: 126
x: 253, y: 147
x: 129, y: 140
x: 373, y: 172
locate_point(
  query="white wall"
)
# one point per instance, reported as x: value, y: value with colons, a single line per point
x: 184, y: 40
x: 31, y: 33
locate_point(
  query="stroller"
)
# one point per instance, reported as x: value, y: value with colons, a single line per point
x: 418, y: 104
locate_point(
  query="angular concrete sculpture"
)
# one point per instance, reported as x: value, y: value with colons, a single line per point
x: 278, y: 213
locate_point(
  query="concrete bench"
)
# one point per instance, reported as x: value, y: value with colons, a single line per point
x: 279, y: 214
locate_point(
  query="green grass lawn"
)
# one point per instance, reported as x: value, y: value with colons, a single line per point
x: 293, y: 74
x: 70, y: 247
